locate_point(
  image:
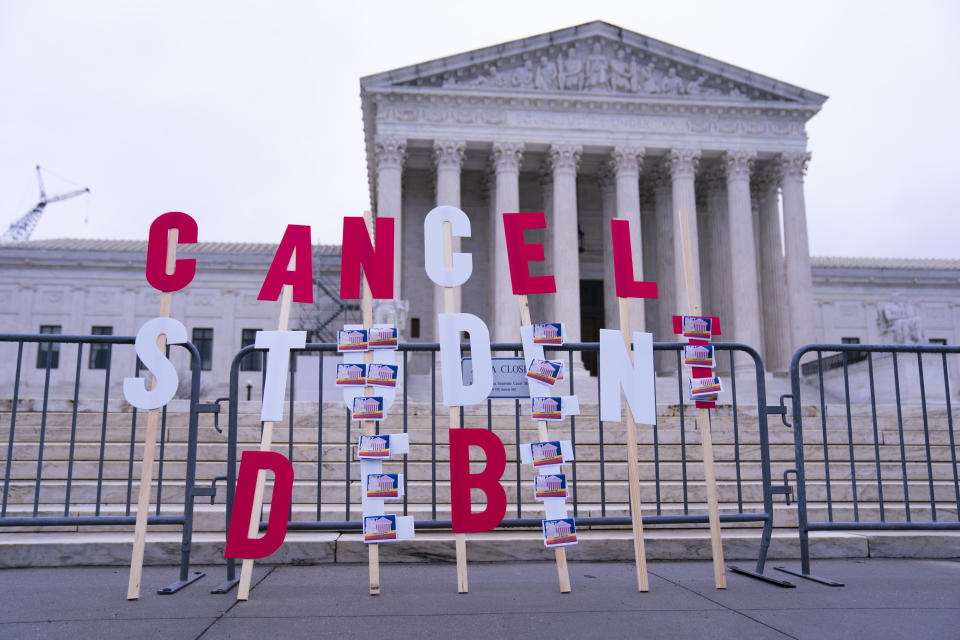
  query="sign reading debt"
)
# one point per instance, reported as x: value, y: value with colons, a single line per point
x: 464, y: 381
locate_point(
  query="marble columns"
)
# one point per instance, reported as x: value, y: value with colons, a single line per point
x: 717, y: 295
x: 448, y: 156
x: 773, y: 281
x: 666, y: 271
x: 565, y: 160
x: 745, y: 313
x: 505, y: 158
x: 682, y: 164
x: 627, y: 162
x: 389, y: 153
x: 797, y: 249
x: 608, y: 200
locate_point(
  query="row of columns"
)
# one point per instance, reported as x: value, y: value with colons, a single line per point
x: 747, y: 284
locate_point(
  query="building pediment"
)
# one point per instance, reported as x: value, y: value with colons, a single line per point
x: 596, y: 59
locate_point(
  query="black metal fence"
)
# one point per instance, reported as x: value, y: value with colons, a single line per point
x: 899, y: 458
x: 748, y: 474
x: 106, y: 490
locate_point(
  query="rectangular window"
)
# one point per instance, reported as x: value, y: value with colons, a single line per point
x: 48, y: 353
x: 942, y: 341
x: 414, y: 327
x: 203, y: 341
x: 850, y: 340
x: 251, y: 361
x: 100, y: 353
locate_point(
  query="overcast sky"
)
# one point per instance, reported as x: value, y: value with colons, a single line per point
x: 247, y: 114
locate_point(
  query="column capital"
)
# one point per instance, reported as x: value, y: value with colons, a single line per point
x: 506, y: 156
x: 565, y: 158
x: 738, y: 163
x: 794, y: 165
x: 389, y: 152
x: 448, y: 154
x: 682, y: 162
x: 627, y: 159
x: 766, y: 177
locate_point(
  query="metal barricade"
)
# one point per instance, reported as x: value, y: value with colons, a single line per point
x: 740, y: 503
x: 866, y: 465
x: 97, y: 498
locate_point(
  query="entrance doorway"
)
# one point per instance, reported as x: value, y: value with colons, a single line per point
x: 591, y: 319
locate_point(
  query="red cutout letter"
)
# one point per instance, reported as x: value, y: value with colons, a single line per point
x: 239, y: 544
x: 627, y: 287
x: 520, y: 253
x: 488, y: 480
x: 357, y: 252
x: 296, y: 237
x: 184, y: 269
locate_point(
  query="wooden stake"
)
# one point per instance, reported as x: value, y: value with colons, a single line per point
x: 460, y: 539
x: 369, y: 429
x: 703, y: 418
x: 543, y: 433
x: 266, y: 443
x: 633, y: 470
x: 150, y: 443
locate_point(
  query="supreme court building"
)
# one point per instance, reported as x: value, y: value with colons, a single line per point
x: 587, y: 124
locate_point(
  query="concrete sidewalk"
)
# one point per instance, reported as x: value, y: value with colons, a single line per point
x: 881, y: 599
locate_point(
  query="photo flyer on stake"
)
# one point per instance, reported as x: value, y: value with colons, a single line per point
x: 698, y: 355
x: 351, y: 375
x: 368, y: 408
x: 380, y: 528
x: 546, y: 453
x: 553, y: 485
x: 547, y: 408
x: 383, y: 485
x: 697, y: 327
x: 382, y: 375
x: 352, y: 340
x: 559, y: 533
x: 703, y: 388
x: 548, y: 333
x: 374, y: 447
x: 545, y: 371
x: 384, y: 338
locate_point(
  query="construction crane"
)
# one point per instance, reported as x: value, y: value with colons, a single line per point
x: 22, y: 228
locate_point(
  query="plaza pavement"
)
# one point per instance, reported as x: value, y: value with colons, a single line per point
x: 883, y: 598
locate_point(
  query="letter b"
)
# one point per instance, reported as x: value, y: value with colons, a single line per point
x: 488, y: 480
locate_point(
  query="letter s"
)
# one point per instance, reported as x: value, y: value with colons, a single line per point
x: 135, y: 389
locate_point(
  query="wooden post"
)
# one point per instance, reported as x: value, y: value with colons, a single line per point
x: 449, y: 306
x: 560, y: 553
x: 703, y: 418
x: 150, y: 443
x: 633, y: 469
x: 369, y: 428
x: 266, y: 442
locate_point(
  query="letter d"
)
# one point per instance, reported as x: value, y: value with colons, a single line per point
x: 239, y: 542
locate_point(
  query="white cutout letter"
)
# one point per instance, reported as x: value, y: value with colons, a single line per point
x: 135, y: 389
x: 637, y: 381
x: 433, y: 246
x: 455, y: 393
x: 278, y: 345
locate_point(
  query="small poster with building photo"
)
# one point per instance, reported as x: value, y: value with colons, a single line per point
x: 559, y: 533
x: 546, y: 453
x: 698, y: 355
x: 553, y: 485
x: 374, y: 447
x: 547, y: 408
x: 700, y: 387
x: 384, y: 338
x: 548, y: 333
x: 352, y: 340
x: 383, y: 485
x: 351, y: 375
x: 382, y: 375
x: 697, y: 327
x: 545, y: 371
x: 368, y: 408
x: 380, y: 528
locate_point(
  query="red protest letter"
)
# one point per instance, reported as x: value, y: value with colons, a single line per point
x: 239, y: 544
x: 521, y: 254
x: 295, y: 238
x: 627, y: 287
x: 357, y: 252
x: 488, y: 480
x: 185, y: 268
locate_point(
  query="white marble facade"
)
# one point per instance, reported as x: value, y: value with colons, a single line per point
x: 587, y: 124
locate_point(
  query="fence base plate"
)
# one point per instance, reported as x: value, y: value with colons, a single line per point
x: 225, y: 586
x: 180, y: 584
x: 759, y: 576
x: 810, y: 576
